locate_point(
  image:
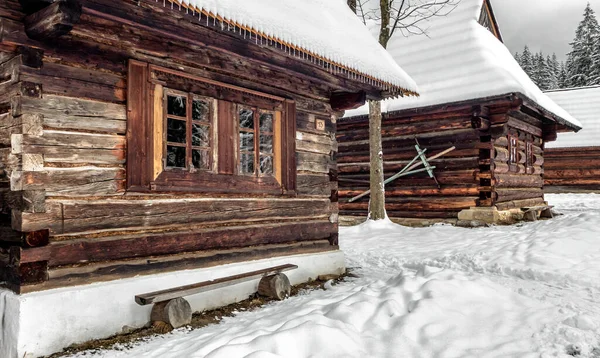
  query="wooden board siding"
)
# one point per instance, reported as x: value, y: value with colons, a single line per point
x: 572, y: 169
x: 414, y: 196
x: 63, y: 142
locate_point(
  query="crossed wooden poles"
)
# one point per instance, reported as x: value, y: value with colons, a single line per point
x: 408, y: 169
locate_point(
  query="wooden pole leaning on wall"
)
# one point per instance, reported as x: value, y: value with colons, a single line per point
x: 408, y: 169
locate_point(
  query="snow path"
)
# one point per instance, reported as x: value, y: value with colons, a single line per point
x: 528, y: 290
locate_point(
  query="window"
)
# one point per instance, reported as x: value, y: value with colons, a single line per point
x: 513, y: 150
x: 187, y: 141
x: 529, y: 157
x: 187, y: 133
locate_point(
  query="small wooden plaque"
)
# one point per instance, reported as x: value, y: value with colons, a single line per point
x: 320, y: 124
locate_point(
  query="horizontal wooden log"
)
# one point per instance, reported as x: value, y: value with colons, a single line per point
x: 318, y: 185
x: 440, y: 164
x: 407, y: 214
x: 52, y: 21
x: 64, y: 253
x: 417, y: 204
x: 575, y: 151
x: 572, y: 181
x: 571, y: 173
x: 518, y: 181
x: 97, y: 272
x: 74, y: 181
x: 75, y: 113
x: 582, y: 161
x: 312, y: 162
x: 426, y: 140
x: 504, y: 195
x: 76, y: 216
x: 526, y: 127
x: 514, y: 204
x: 416, y: 191
x: 407, y: 153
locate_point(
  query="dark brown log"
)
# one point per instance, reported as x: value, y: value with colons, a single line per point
x: 80, y: 275
x: 503, y: 195
x: 419, y: 191
x: 517, y: 181
x: 342, y: 101
x: 64, y: 253
x: 54, y: 20
x: 514, y: 204
x: 571, y: 173
x: 275, y: 286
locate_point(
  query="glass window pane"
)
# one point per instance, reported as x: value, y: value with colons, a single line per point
x: 266, y: 122
x: 200, y: 159
x: 266, y: 165
x: 266, y: 144
x: 200, y: 135
x: 200, y: 109
x: 175, y: 157
x: 175, y: 130
x: 176, y: 105
x: 246, y: 118
x: 247, y: 141
x: 246, y: 163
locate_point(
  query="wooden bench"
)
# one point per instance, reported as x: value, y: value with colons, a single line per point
x: 170, y: 306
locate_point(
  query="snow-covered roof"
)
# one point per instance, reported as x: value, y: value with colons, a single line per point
x: 457, y: 60
x: 326, y: 32
x: 584, y: 104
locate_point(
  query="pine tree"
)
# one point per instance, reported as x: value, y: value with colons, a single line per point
x: 527, y: 61
x: 562, y: 76
x: 552, y: 70
x: 581, y: 58
x: 518, y: 58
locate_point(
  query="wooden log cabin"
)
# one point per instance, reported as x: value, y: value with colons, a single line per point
x: 143, y: 143
x: 473, y: 96
x: 573, y: 160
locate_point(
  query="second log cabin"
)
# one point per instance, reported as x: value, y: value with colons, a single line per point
x: 573, y: 161
x: 475, y: 97
x: 146, y: 145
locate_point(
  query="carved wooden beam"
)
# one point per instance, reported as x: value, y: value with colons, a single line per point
x: 53, y: 20
x: 341, y: 101
x: 549, y: 132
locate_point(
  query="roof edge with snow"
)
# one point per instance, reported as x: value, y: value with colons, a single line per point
x: 388, y: 88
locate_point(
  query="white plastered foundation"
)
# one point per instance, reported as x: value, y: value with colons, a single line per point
x: 43, y: 323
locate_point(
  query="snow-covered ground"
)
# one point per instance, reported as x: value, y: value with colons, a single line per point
x: 528, y: 290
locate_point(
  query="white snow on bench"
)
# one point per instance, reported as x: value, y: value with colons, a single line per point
x: 325, y: 28
x: 584, y: 104
x: 458, y: 60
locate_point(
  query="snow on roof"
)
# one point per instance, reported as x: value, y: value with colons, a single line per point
x: 457, y: 60
x: 325, y: 29
x: 584, y: 104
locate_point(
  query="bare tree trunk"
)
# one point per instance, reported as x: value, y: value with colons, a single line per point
x: 377, y: 201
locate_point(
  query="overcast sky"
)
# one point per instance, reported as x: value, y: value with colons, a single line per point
x: 546, y: 25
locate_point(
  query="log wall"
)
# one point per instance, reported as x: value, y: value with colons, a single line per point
x: 66, y: 216
x: 476, y: 173
x: 569, y: 170
x: 414, y: 196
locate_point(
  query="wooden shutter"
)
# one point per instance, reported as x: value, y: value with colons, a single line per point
x: 226, y: 144
x: 137, y: 128
x: 288, y: 157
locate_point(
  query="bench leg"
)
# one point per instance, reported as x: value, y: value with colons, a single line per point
x: 275, y: 286
x: 176, y: 312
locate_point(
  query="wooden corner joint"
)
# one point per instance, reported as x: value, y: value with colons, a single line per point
x: 341, y: 101
x: 49, y: 20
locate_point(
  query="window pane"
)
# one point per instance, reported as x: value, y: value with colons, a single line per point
x: 266, y: 122
x: 200, y: 109
x: 266, y: 143
x: 200, y: 159
x: 176, y: 105
x: 246, y: 163
x: 200, y: 135
x: 247, y: 141
x: 175, y: 157
x: 266, y: 165
x: 175, y: 130
x: 246, y: 118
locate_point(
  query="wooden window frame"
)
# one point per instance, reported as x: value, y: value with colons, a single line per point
x: 529, y: 157
x: 513, y: 149
x: 146, y: 128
